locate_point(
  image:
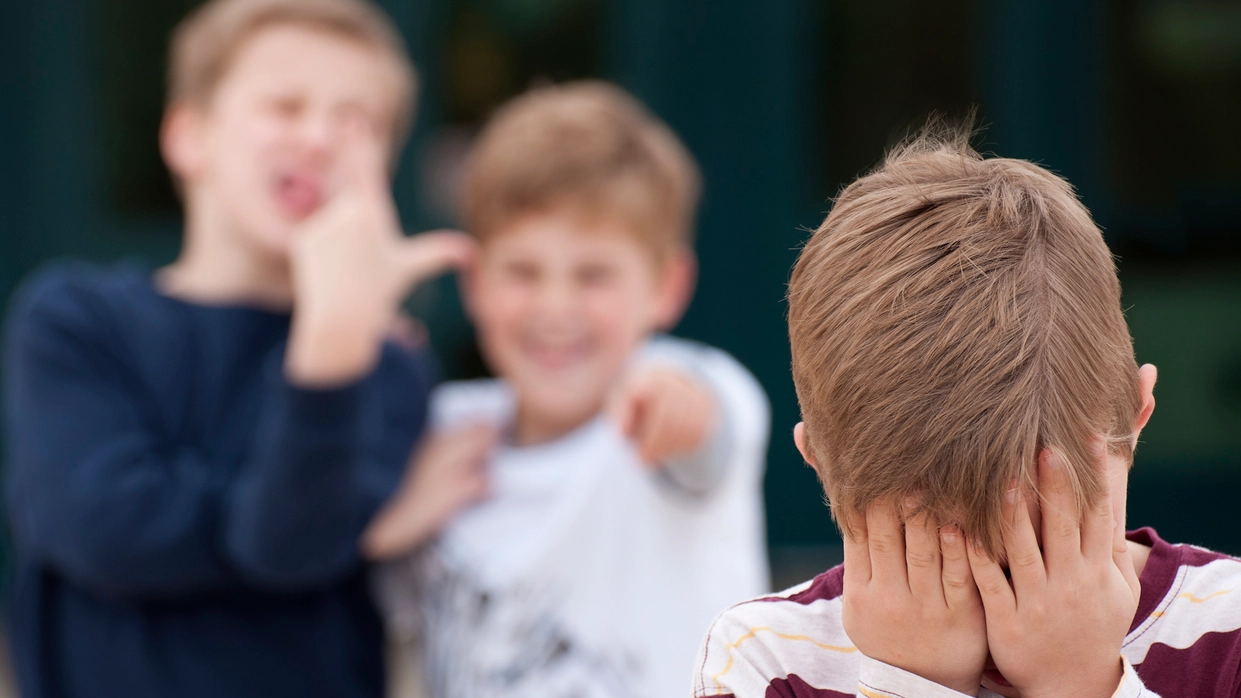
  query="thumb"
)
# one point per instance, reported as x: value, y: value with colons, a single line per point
x: 428, y: 254
x: 364, y: 161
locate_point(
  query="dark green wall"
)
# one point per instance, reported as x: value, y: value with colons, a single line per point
x: 781, y: 102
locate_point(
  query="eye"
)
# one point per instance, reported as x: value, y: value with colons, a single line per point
x: 353, y: 111
x: 286, y: 107
x: 595, y: 274
x: 521, y: 271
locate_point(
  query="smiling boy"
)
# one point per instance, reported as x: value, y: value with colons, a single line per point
x: 196, y: 453
x: 622, y: 472
x: 971, y: 404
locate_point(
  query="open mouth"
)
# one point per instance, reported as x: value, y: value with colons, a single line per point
x: 299, y: 195
x: 553, y: 356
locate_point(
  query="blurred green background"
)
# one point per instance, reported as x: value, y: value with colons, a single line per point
x: 1137, y: 102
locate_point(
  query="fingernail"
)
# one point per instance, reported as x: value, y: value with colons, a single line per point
x: 1013, y: 491
x: 948, y: 536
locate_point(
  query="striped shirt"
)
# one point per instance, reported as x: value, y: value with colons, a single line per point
x: 1185, y: 639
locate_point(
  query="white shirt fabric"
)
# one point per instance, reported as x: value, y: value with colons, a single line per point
x: 586, y: 574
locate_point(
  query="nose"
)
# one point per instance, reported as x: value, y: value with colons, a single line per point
x: 320, y: 134
x: 557, y: 298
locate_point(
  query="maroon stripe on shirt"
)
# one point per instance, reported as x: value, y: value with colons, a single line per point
x: 828, y: 585
x: 1209, y: 667
x: 1161, y: 568
x: 795, y: 687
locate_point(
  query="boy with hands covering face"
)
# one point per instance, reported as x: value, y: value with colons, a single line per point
x: 971, y: 405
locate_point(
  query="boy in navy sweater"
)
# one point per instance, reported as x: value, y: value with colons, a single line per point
x: 196, y: 454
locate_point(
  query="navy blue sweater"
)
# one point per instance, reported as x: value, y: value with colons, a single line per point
x: 186, y: 521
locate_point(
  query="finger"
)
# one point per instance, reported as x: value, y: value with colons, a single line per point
x: 958, y: 582
x: 1098, y: 525
x: 460, y: 447
x: 993, y: 587
x: 922, y: 558
x: 636, y: 399
x: 623, y: 403
x: 429, y: 254
x: 857, y: 551
x: 1025, y: 560
x: 699, y: 416
x: 887, y: 545
x: 658, y: 439
x: 1062, y: 543
x: 1123, y: 559
x: 678, y: 412
x: 364, y: 160
x: 475, y: 487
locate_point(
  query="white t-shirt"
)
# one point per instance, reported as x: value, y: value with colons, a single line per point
x: 586, y: 574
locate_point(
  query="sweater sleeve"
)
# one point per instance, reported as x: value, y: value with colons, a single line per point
x: 96, y: 495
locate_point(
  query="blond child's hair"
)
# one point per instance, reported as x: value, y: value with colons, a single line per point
x: 590, y: 146
x: 205, y: 43
x: 952, y: 316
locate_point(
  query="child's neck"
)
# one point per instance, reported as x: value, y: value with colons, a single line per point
x: 214, y: 268
x: 531, y: 428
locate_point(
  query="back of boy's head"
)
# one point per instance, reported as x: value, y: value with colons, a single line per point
x: 587, y: 146
x: 205, y: 43
x: 952, y: 316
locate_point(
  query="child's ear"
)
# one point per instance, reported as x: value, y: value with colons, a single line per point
x: 677, y: 280
x: 799, y: 438
x: 1147, y: 375
x: 180, y: 140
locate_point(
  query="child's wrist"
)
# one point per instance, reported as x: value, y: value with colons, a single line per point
x: 323, y: 354
x: 1102, y: 684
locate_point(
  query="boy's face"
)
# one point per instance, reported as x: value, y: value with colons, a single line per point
x: 264, y: 153
x: 561, y: 302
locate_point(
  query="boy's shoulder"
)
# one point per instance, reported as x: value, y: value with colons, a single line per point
x: 1186, y: 633
x: 792, y: 641
x: 70, y: 287
x: 73, y: 298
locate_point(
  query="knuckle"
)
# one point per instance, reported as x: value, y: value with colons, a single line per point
x: 955, y: 582
x: 1066, y: 528
x: 1024, y: 559
x: 921, y: 559
x: 992, y: 587
x: 883, y: 543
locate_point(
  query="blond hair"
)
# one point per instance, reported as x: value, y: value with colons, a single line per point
x: 952, y: 316
x: 588, y: 145
x: 205, y: 43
